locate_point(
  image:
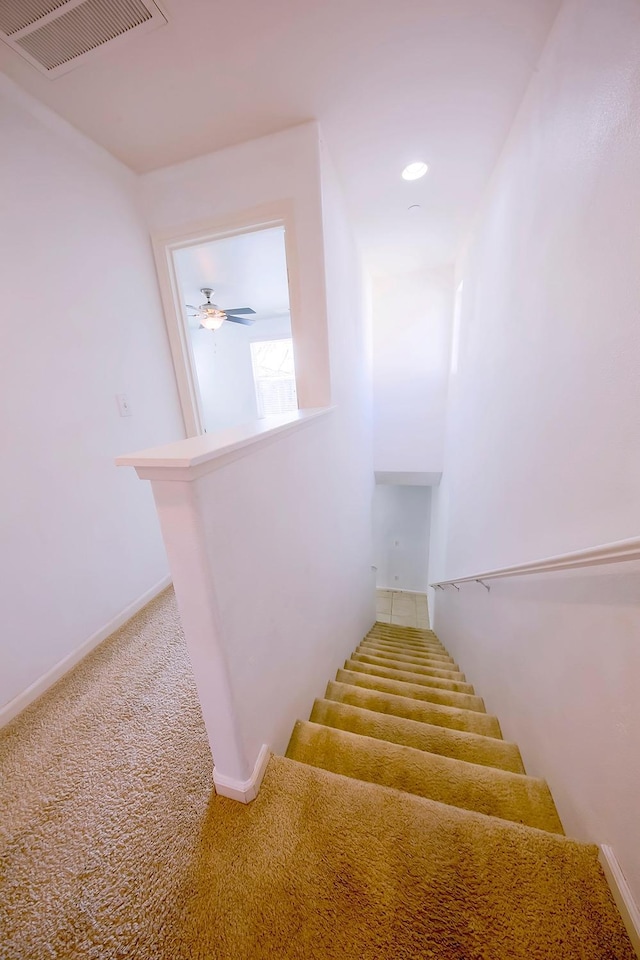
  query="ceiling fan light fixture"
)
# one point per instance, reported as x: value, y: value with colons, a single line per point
x: 211, y: 316
x: 212, y: 319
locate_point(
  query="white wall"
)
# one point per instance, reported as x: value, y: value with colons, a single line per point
x: 412, y: 320
x: 225, y: 371
x: 543, y: 441
x: 225, y: 376
x: 81, y: 322
x: 289, y: 525
x: 243, y: 185
x: 271, y: 328
x: 401, y: 518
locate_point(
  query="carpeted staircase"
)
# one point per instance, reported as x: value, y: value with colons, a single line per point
x: 402, y: 715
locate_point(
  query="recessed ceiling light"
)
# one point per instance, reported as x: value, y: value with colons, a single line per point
x: 415, y: 170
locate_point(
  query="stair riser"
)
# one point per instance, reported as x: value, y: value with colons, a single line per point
x: 445, y: 663
x: 436, y: 648
x: 420, y: 710
x: 396, y: 628
x: 422, y: 651
x: 397, y: 673
x: 468, y: 786
x: 391, y: 663
x: 401, y: 637
x: 406, y: 641
x: 460, y: 700
x: 403, y: 631
x: 410, y: 662
x: 421, y: 736
x: 411, y: 641
x: 443, y: 659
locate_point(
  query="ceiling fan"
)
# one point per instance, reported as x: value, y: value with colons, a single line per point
x: 211, y: 316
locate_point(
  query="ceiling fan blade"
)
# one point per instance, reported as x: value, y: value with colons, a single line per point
x: 245, y: 320
x: 190, y: 306
x: 240, y: 310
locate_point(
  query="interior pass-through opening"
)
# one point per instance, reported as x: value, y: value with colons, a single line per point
x: 234, y: 297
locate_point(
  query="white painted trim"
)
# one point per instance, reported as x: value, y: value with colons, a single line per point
x: 191, y: 458
x: 416, y: 593
x: 621, y: 894
x: 262, y: 217
x: 35, y: 690
x: 243, y: 790
x: 618, y: 552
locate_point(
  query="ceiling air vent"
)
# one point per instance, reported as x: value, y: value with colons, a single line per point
x: 57, y: 35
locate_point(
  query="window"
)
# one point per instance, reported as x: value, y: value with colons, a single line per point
x: 274, y: 376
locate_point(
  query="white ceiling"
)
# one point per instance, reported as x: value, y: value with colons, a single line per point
x: 249, y: 270
x: 390, y: 81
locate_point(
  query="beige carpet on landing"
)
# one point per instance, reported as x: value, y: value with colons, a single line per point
x: 113, y: 844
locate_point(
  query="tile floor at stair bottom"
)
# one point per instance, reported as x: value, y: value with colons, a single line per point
x: 401, y: 608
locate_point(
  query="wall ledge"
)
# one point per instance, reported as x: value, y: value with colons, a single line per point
x: 191, y: 458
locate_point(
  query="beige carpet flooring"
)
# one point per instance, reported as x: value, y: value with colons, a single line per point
x: 113, y: 845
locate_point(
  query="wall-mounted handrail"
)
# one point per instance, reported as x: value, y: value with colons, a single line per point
x: 619, y: 552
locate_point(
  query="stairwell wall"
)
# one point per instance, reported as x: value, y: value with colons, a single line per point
x: 401, y: 536
x: 411, y: 351
x: 81, y: 322
x: 543, y: 434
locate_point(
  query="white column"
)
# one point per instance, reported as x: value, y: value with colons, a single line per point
x: 182, y: 531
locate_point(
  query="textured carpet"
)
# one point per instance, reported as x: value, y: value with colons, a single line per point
x: 422, y: 736
x: 113, y: 844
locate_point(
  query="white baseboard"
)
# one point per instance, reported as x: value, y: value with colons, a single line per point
x: 18, y: 704
x: 621, y: 894
x: 243, y: 790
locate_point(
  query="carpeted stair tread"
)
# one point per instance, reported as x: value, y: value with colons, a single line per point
x: 406, y: 641
x: 412, y: 641
x: 404, y: 638
x: 429, y: 660
x: 422, y: 649
x: 422, y: 710
x: 427, y: 666
x: 377, y: 649
x: 396, y: 673
x: 390, y: 662
x: 487, y: 790
x: 419, y: 646
x: 414, y: 690
x: 406, y: 672
x: 443, y: 883
x: 433, y: 652
x: 403, y: 641
x: 398, y: 633
x: 392, y: 654
x: 419, y: 632
x: 422, y: 736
